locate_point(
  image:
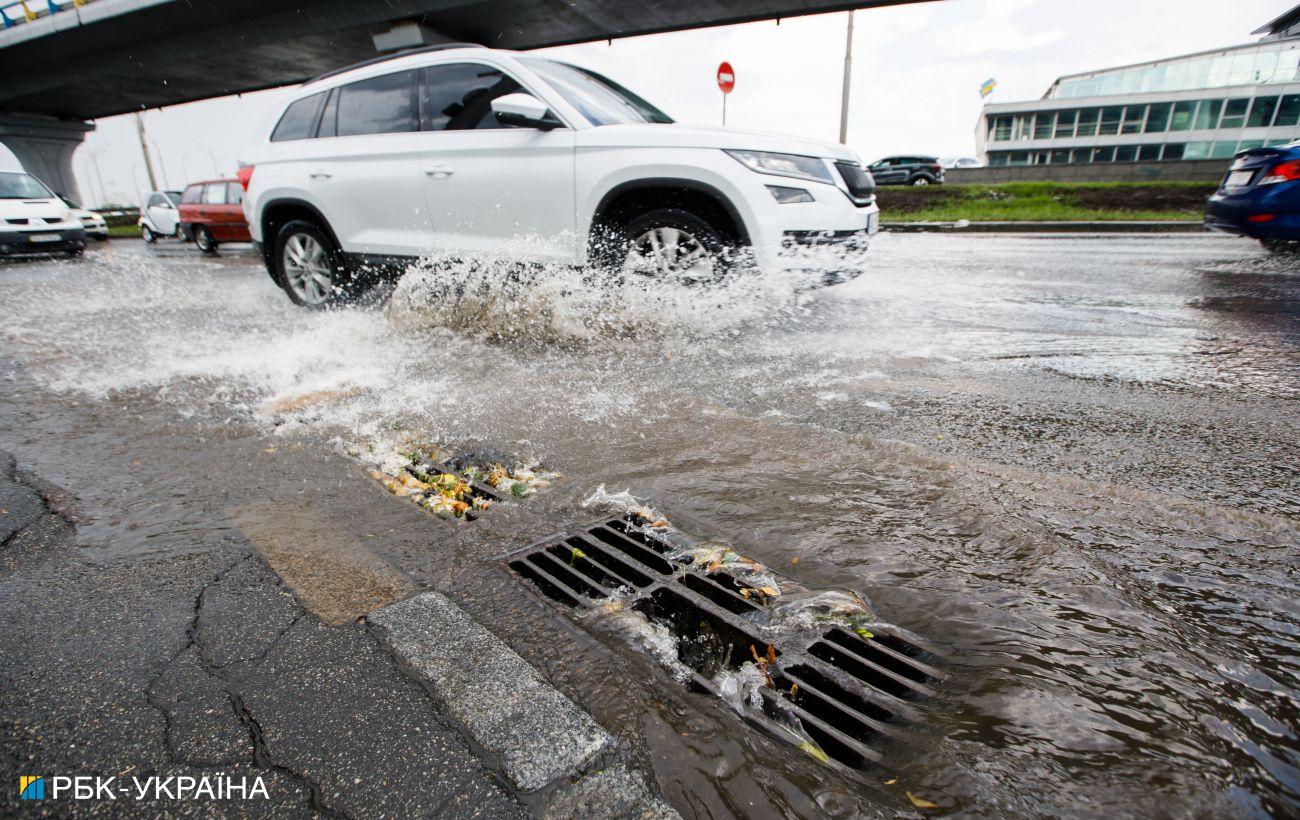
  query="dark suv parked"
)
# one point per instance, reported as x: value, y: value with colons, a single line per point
x: 907, y: 170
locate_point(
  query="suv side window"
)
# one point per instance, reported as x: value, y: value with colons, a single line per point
x: 329, y: 120
x: 215, y: 194
x: 458, y: 97
x: 191, y: 194
x: 299, y: 120
x: 379, y: 105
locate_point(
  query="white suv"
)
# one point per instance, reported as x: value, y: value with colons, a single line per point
x: 462, y: 150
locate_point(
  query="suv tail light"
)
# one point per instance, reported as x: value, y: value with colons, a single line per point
x: 1282, y: 172
x: 245, y: 175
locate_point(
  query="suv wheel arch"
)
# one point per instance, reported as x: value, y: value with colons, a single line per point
x: 627, y: 200
x: 279, y: 212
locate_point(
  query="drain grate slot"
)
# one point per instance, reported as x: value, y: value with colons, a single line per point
x: 847, y: 691
x: 882, y: 655
x: 866, y: 671
x: 814, y: 682
x: 707, y: 643
x: 553, y: 588
x: 630, y: 575
x: 633, y: 549
x: 732, y: 603
x: 563, y: 575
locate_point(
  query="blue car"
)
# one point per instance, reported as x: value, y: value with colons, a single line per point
x: 1260, y: 197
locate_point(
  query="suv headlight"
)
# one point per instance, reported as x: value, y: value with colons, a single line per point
x: 784, y: 165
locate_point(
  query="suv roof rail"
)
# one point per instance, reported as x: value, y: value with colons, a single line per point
x: 386, y: 57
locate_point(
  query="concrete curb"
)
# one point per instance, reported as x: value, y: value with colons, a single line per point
x: 1043, y: 227
x: 536, y: 733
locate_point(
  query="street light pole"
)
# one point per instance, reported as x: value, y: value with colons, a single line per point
x: 848, y: 75
x: 144, y: 149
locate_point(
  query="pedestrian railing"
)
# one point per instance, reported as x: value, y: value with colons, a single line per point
x: 25, y: 11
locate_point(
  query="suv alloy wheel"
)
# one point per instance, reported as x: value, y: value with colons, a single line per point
x: 307, y: 265
x: 203, y: 239
x: 674, y: 245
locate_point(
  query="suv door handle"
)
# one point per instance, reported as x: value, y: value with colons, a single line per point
x: 320, y: 175
x: 440, y: 171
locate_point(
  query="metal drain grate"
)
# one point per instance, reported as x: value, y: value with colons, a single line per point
x: 845, y: 689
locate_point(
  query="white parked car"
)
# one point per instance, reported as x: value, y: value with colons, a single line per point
x: 160, y: 215
x: 34, y: 220
x: 961, y: 162
x: 462, y: 150
x: 96, y: 227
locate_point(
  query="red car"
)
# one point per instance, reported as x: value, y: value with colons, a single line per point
x: 212, y: 212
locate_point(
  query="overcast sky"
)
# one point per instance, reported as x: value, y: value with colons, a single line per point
x: 916, y: 76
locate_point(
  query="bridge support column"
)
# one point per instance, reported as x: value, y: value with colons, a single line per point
x: 44, y: 146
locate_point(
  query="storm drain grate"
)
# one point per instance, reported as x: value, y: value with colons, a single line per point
x: 847, y: 690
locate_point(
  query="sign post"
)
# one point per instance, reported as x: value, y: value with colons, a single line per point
x: 726, y: 82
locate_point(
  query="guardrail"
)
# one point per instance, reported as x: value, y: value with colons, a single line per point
x: 25, y: 11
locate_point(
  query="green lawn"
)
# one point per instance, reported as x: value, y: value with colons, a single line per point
x: 1047, y: 202
x: 120, y: 231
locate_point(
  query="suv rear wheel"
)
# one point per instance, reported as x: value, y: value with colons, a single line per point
x: 307, y: 265
x: 672, y: 244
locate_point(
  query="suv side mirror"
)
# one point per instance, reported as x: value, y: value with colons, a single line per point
x: 524, y: 110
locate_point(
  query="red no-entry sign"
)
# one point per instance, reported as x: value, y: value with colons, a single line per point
x: 726, y: 78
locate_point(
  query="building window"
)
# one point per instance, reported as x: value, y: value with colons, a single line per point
x: 1158, y: 118
x: 1110, y: 120
x: 1288, y: 112
x: 1149, y: 153
x: 1024, y: 126
x: 1207, y: 116
x: 1246, y: 145
x: 1223, y: 150
x: 1087, y: 122
x: 997, y: 158
x: 1261, y: 112
x: 1104, y: 153
x: 1173, y: 150
x: 1134, y: 117
x: 1002, y: 129
x: 1234, y: 113
x: 1197, y: 150
x: 1043, y: 125
x: 1060, y: 156
x: 1126, y: 153
x: 1065, y: 124
x: 1182, y: 116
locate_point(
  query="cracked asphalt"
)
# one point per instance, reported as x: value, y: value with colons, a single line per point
x: 200, y: 662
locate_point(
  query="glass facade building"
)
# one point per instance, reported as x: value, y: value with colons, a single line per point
x: 1199, y: 106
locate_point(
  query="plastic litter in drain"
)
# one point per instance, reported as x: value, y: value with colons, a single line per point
x: 814, y: 668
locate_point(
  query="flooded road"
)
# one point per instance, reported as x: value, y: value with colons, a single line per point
x: 1068, y: 462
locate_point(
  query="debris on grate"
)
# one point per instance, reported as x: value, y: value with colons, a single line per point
x: 461, y: 486
x: 812, y: 667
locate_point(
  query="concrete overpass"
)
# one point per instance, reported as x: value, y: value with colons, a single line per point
x: 110, y: 57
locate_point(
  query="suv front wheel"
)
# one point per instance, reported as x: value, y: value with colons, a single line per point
x: 674, y: 245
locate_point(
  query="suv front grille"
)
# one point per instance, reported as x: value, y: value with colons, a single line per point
x: 862, y: 188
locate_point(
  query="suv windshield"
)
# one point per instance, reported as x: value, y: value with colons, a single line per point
x: 22, y: 186
x: 601, y: 100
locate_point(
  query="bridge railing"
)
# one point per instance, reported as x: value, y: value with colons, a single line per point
x: 25, y: 11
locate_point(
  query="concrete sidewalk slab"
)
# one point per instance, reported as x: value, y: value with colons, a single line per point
x: 536, y: 733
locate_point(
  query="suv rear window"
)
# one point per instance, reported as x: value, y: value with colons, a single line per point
x: 379, y: 105
x: 299, y: 119
x: 234, y: 193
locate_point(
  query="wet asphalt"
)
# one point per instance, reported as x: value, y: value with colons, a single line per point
x: 1067, y: 461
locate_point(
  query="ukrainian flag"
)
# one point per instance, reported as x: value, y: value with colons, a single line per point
x: 988, y: 86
